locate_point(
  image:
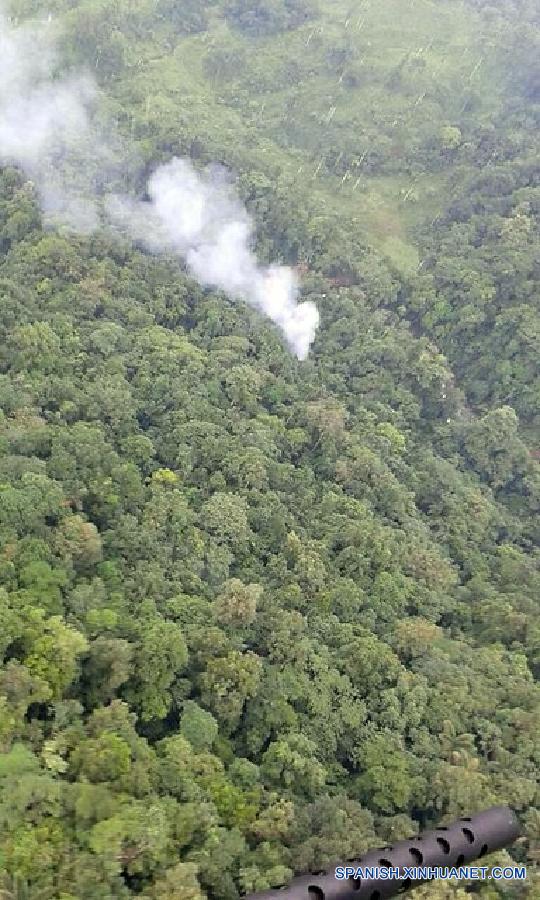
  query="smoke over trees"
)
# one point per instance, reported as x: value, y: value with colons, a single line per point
x: 47, y: 128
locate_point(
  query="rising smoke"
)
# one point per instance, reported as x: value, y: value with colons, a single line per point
x: 49, y: 128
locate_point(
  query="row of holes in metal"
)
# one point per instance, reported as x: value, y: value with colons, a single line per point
x: 316, y: 893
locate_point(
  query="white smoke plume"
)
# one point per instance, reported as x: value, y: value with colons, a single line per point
x: 48, y: 127
x: 200, y: 219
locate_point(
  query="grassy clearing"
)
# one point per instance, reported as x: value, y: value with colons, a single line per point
x: 364, y: 77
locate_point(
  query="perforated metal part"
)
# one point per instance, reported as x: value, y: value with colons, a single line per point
x: 452, y: 845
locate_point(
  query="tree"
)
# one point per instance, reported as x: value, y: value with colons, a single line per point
x: 268, y: 16
x: 237, y: 602
x: 224, y: 516
x: 227, y: 683
x: 290, y: 764
x: 177, y: 883
x: 54, y: 655
x: 450, y: 137
x: 135, y: 840
x: 80, y: 542
x: 107, y: 666
x: 159, y: 657
x: 198, y: 726
x: 385, y: 782
x: 494, y: 447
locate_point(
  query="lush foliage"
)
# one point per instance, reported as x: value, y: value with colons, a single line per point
x: 257, y: 615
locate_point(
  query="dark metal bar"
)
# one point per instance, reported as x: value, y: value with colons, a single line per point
x: 457, y: 845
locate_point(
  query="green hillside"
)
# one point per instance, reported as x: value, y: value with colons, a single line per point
x: 256, y: 614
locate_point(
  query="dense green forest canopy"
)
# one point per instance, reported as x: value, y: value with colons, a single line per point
x: 258, y: 615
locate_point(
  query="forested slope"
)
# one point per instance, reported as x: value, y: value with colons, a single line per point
x: 258, y: 614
